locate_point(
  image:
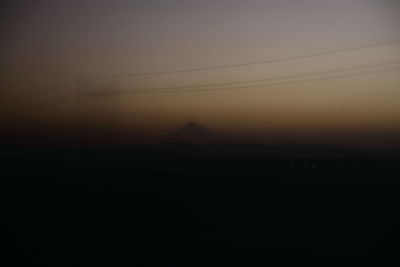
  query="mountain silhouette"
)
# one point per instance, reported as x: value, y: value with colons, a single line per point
x: 192, y: 132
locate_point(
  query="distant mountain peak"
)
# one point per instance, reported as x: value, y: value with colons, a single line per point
x: 193, y: 127
x: 192, y: 132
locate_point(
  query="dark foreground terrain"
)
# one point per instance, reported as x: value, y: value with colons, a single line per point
x: 117, y: 209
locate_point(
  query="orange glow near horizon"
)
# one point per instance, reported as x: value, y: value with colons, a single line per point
x: 47, y: 45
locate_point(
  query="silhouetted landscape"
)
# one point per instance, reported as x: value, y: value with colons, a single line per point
x: 185, y: 204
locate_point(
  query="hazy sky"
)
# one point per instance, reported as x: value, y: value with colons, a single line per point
x: 47, y: 44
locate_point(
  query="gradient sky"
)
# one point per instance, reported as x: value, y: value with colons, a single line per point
x: 47, y: 44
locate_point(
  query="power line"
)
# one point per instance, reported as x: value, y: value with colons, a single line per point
x: 330, y: 52
x: 266, y: 85
x: 276, y: 78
